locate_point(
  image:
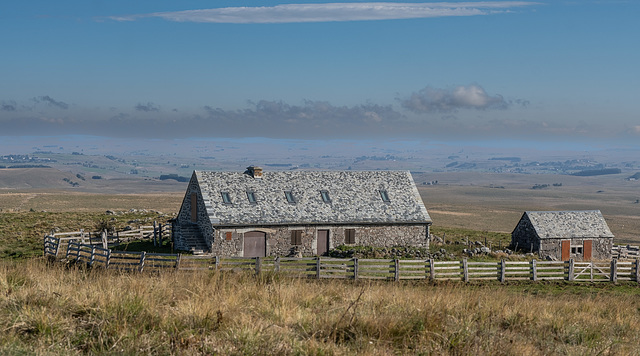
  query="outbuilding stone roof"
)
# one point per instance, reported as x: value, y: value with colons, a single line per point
x: 569, y: 224
x: 354, y: 198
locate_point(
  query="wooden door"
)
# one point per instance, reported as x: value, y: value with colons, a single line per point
x: 255, y: 244
x: 566, y: 250
x: 587, y: 247
x: 323, y: 242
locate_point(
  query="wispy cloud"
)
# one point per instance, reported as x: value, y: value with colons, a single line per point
x: 473, y: 96
x: 8, y: 106
x: 148, y: 107
x: 290, y: 13
x: 51, y: 102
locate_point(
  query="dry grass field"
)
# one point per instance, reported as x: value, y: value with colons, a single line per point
x: 50, y: 309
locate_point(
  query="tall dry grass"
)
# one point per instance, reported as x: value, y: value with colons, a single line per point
x: 54, y: 310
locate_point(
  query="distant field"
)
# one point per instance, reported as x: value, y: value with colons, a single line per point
x: 495, y: 202
x: 58, y: 201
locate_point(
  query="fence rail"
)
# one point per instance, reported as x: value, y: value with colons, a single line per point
x: 625, y: 251
x: 60, y: 240
x: 352, y: 268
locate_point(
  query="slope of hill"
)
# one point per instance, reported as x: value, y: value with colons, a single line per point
x: 23, y: 178
x: 53, y: 179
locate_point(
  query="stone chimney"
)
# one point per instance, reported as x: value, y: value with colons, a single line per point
x: 255, y: 172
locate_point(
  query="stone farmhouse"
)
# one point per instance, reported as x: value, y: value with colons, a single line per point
x: 581, y: 235
x: 293, y: 213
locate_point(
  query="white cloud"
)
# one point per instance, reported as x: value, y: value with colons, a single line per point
x: 449, y: 100
x: 289, y: 13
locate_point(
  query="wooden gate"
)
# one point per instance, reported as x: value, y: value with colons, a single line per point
x: 323, y: 242
x: 255, y: 244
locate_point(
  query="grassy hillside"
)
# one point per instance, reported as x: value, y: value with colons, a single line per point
x: 21, y: 233
x: 53, y: 310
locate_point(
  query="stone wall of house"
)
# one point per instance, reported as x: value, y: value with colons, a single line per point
x: 186, y: 231
x: 278, y: 238
x: 600, y: 250
x: 524, y: 237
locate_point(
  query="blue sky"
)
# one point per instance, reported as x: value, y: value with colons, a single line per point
x: 530, y: 70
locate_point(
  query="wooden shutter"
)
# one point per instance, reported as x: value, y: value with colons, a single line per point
x: 296, y: 237
x: 566, y: 250
x: 350, y: 236
x: 194, y: 207
x: 228, y: 235
x: 587, y: 248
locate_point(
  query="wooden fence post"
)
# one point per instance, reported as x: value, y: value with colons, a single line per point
x: 396, y: 271
x: 258, y: 265
x: 614, y: 271
x: 155, y: 233
x: 503, y: 267
x: 432, y: 269
x: 217, y: 262
x: 355, y: 268
x: 276, y: 264
x: 638, y: 270
x: 108, y: 259
x: 93, y: 256
x: 465, y: 270
x: 143, y: 255
x: 570, y: 275
x: 160, y: 235
x: 103, y: 236
x: 178, y: 262
x: 591, y: 271
x: 318, y: 267
x: 534, y: 272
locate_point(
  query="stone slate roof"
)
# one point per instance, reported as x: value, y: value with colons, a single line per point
x: 569, y: 224
x: 355, y: 198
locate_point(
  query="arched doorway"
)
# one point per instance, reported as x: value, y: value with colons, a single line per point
x: 255, y: 244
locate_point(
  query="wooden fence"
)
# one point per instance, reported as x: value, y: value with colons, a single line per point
x: 352, y: 268
x: 158, y: 233
x: 625, y: 251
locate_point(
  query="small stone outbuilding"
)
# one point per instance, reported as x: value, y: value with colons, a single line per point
x: 581, y: 235
x: 290, y: 213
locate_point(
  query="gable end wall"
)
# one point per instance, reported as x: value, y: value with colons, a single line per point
x: 187, y: 230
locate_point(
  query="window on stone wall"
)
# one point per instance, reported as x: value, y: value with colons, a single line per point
x: 228, y: 235
x: 226, y: 198
x: 296, y: 237
x: 325, y: 196
x: 290, y: 198
x: 349, y: 236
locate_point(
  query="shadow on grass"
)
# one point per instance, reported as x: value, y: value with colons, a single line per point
x: 144, y: 246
